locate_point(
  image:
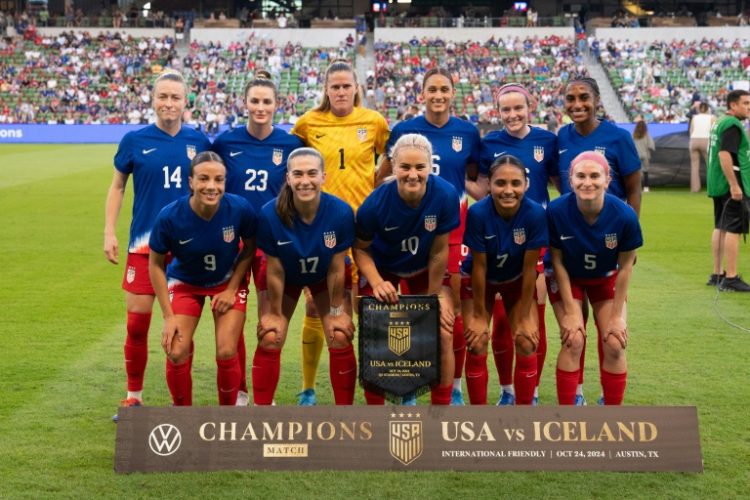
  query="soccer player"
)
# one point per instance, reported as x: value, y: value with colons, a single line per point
x: 349, y: 137
x: 729, y: 187
x: 536, y: 149
x: 455, y: 153
x: 158, y: 157
x: 402, y: 234
x: 593, y: 239
x: 211, y: 235
x: 256, y: 157
x: 505, y: 233
x: 305, y: 235
x: 588, y: 133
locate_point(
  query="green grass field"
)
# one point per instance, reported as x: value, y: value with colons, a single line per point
x: 62, y: 376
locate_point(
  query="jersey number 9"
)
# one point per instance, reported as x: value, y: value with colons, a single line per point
x: 210, y: 262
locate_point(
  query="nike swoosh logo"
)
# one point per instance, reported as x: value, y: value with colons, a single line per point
x: 184, y: 242
x: 489, y: 237
x: 147, y: 151
x: 318, y: 136
x: 280, y: 243
x: 345, y: 372
x: 561, y: 151
x: 392, y: 228
x: 232, y: 154
x: 500, y: 154
x: 563, y: 238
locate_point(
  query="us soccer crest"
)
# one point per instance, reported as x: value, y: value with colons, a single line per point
x: 538, y: 153
x: 457, y: 144
x: 399, y: 337
x: 430, y: 222
x: 519, y: 235
x: 329, y: 239
x: 601, y: 149
x: 130, y: 277
x: 228, y: 234
x: 278, y: 157
x: 362, y: 134
x: 610, y: 240
x: 405, y: 438
x: 190, y: 151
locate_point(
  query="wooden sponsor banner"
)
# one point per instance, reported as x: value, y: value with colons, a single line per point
x: 486, y: 438
x: 399, y: 345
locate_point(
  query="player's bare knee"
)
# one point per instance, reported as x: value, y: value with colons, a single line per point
x: 524, y: 346
x: 268, y: 342
x: 226, y: 351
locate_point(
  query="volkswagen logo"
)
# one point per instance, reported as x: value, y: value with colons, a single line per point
x: 165, y: 439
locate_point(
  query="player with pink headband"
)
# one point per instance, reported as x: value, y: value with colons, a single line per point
x: 537, y: 150
x: 593, y: 239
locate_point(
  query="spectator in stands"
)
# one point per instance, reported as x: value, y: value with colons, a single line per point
x: 644, y: 144
x: 700, y: 130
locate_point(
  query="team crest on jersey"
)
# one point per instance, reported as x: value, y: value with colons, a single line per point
x: 362, y: 134
x: 228, y: 234
x: 430, y: 222
x: 130, y: 276
x: 538, y: 153
x: 329, y: 239
x: 601, y: 149
x: 519, y: 235
x: 278, y: 156
x: 457, y: 144
x: 190, y: 151
x: 610, y: 240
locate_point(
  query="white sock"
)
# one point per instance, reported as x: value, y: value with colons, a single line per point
x: 536, y: 391
x: 457, y: 384
x: 509, y: 388
x: 136, y: 394
x: 579, y: 390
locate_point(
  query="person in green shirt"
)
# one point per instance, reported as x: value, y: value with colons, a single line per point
x: 728, y: 180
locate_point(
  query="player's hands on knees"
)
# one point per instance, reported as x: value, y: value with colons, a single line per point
x: 170, y: 332
x: 570, y: 325
x: 447, y: 316
x: 475, y: 330
x: 526, y: 328
x: 342, y: 324
x: 223, y: 301
x: 385, y: 292
x: 111, y: 248
x: 272, y: 323
x: 619, y: 329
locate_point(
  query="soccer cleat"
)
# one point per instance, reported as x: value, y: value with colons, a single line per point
x: 507, y: 399
x: 600, y: 401
x: 307, y: 398
x: 715, y: 279
x: 242, y: 399
x: 580, y: 400
x: 457, y: 397
x: 410, y: 400
x: 126, y: 403
x: 735, y: 284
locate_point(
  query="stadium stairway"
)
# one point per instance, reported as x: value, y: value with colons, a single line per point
x: 610, y: 101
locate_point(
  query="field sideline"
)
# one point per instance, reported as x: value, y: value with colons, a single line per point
x: 61, y: 373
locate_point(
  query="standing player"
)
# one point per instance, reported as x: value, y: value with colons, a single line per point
x: 402, y: 234
x: 593, y: 239
x: 211, y: 237
x: 455, y: 146
x: 588, y: 133
x: 256, y: 157
x: 305, y: 235
x: 506, y: 232
x: 536, y: 148
x: 158, y: 156
x: 349, y: 137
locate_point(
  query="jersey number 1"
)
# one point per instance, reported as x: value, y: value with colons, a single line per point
x: 341, y: 159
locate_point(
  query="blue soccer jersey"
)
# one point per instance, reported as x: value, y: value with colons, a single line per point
x: 256, y: 168
x: 204, y: 251
x: 306, y: 250
x: 401, y: 235
x: 614, y: 143
x: 591, y: 251
x: 160, y: 165
x: 504, y: 241
x: 453, y: 146
x: 537, y: 151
